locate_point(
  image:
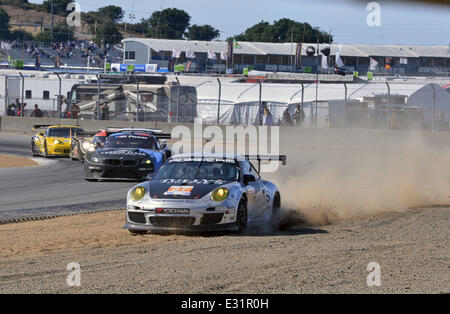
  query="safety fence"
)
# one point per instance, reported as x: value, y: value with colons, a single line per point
x: 396, y: 104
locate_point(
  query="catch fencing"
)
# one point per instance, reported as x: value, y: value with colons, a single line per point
x: 395, y: 104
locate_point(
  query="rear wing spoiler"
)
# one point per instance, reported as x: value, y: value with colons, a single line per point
x: 76, y: 135
x: 260, y: 158
x: 41, y: 126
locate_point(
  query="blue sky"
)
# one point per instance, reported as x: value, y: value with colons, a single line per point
x: 401, y: 22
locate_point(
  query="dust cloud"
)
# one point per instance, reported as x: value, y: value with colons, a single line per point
x: 327, y: 180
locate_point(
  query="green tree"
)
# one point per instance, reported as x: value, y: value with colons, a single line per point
x: 4, y: 25
x: 261, y: 32
x: 168, y: 24
x: 282, y: 31
x: 43, y: 37
x: 202, y: 32
x: 112, y: 13
x: 90, y: 17
x: 59, y: 6
x: 21, y: 35
x: 108, y: 32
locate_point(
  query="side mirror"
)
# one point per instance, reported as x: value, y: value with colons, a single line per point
x: 248, y: 178
x: 98, y: 145
x: 163, y: 145
x: 41, y: 134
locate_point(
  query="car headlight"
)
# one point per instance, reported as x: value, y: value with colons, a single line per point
x: 96, y: 159
x: 219, y: 195
x: 137, y: 193
x: 148, y: 161
x: 57, y: 142
x: 88, y: 147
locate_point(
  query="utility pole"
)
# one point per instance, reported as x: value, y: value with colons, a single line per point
x: 329, y: 44
x: 53, y: 18
x: 292, y: 42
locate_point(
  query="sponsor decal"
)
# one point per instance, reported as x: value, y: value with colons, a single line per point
x: 179, y: 190
x: 173, y: 211
x: 206, y: 159
x: 195, y: 181
x: 123, y: 152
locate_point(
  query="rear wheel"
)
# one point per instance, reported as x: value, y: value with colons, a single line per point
x: 241, y: 216
x: 276, y: 206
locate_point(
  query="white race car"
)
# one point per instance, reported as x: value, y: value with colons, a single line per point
x: 203, y: 192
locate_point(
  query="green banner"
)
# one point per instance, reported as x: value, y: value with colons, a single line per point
x: 179, y: 68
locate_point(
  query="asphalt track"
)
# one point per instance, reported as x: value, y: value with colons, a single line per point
x: 57, y: 188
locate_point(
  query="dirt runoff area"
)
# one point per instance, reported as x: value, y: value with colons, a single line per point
x: 8, y: 161
x: 410, y: 248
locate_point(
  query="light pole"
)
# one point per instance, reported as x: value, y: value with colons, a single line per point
x: 53, y: 18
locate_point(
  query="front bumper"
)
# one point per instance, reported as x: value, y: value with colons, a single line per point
x: 198, y: 218
x: 105, y: 171
x: 58, y: 150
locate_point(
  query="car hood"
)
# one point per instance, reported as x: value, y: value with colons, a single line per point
x: 64, y: 140
x: 182, y: 188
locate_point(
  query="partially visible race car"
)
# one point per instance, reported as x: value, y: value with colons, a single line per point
x: 56, y: 140
x: 129, y: 154
x: 90, y: 141
x: 87, y: 142
x: 203, y: 192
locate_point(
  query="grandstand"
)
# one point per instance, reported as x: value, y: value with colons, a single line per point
x: 78, y: 58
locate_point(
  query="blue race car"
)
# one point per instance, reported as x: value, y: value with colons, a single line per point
x: 129, y: 154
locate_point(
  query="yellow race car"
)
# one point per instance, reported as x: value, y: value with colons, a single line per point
x: 56, y: 140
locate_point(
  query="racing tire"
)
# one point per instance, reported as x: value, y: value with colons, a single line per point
x: 276, y: 208
x: 33, y: 151
x: 45, y: 150
x: 137, y: 232
x: 242, y: 216
x: 71, y: 156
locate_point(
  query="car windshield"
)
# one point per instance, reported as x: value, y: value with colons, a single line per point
x: 99, y: 139
x: 199, y: 169
x: 131, y: 141
x: 63, y: 132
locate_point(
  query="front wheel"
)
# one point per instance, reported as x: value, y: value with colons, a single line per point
x: 45, y: 150
x: 137, y: 232
x: 241, y: 216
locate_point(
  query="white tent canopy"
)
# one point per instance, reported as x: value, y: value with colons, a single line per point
x: 240, y: 101
x: 428, y: 96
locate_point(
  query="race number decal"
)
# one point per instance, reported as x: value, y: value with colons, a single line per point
x: 179, y: 190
